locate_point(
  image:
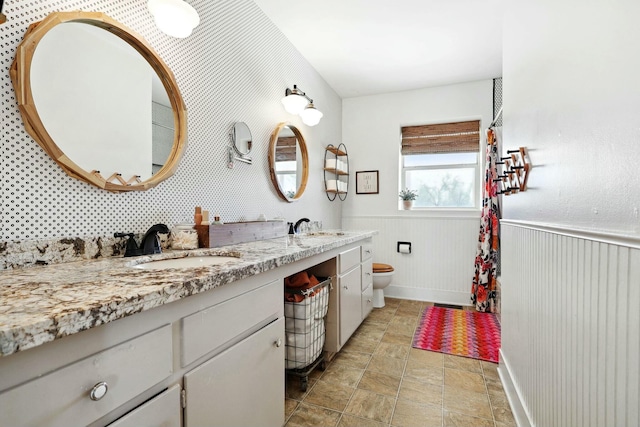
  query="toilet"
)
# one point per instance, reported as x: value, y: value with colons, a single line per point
x: 382, y: 275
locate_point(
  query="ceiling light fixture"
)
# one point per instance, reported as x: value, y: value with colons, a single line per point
x: 296, y: 101
x: 175, y: 18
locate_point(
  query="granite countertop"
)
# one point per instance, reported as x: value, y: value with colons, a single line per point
x: 43, y: 303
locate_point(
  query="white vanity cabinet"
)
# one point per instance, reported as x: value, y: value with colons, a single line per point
x: 213, y: 359
x: 242, y: 386
x: 351, y: 299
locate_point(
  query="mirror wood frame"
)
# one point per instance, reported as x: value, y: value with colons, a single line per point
x: 272, y: 161
x: 20, y: 76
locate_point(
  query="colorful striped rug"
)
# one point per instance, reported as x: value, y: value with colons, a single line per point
x: 459, y: 332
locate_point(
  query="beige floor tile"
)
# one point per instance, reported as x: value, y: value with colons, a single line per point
x: 420, y: 392
x: 404, y: 330
x: 393, y: 338
x: 490, y: 370
x: 380, y: 383
x: 464, y: 380
x: 462, y: 363
x: 408, y: 314
x: 387, y: 365
x: 494, y: 386
x: 503, y: 415
x: 498, y: 424
x: 351, y: 421
x: 372, y: 327
x: 455, y: 419
x: 329, y: 395
x: 422, y: 372
x: 392, y: 350
x: 430, y: 358
x: 352, y: 359
x: 361, y: 345
x: 368, y: 334
x: 499, y: 399
x: 372, y: 406
x: 402, y: 320
x: 290, y: 405
x: 467, y: 402
x: 293, y: 388
x: 310, y: 415
x: 394, y: 302
x: 342, y: 375
x: 413, y: 414
x: 381, y: 315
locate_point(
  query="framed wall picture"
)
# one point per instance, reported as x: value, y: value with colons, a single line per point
x: 367, y: 182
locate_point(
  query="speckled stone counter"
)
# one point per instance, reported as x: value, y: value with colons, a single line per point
x: 44, y: 303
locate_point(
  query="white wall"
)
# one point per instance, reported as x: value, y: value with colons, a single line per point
x: 234, y: 67
x: 440, y: 267
x: 570, y: 270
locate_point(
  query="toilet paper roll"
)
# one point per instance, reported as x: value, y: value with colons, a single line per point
x: 332, y: 184
x: 404, y: 248
x: 330, y: 164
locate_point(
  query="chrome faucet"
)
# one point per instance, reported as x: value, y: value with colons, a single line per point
x: 149, y: 245
x: 296, y: 227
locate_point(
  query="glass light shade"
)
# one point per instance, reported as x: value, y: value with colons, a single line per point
x: 294, y: 104
x: 310, y: 115
x: 175, y: 18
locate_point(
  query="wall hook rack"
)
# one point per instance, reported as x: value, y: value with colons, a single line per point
x: 515, y: 172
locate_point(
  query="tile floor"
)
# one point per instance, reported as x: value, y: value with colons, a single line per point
x: 378, y: 379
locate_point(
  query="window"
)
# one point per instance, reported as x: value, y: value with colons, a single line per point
x: 441, y: 163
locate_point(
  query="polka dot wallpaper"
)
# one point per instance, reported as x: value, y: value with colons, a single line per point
x: 235, y: 67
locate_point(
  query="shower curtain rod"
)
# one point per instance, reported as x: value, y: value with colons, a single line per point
x: 493, y: 123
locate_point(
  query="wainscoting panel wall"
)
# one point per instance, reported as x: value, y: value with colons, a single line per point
x: 441, y: 264
x: 571, y: 325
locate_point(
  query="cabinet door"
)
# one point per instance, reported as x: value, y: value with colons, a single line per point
x: 162, y: 411
x: 367, y: 301
x: 350, y: 303
x: 242, y: 386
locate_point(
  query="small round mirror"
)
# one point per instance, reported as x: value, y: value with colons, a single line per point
x: 288, y: 162
x: 241, y: 138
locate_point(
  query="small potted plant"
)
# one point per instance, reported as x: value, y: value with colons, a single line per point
x: 408, y: 196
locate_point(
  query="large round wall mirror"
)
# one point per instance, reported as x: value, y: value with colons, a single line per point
x: 288, y: 162
x: 100, y: 101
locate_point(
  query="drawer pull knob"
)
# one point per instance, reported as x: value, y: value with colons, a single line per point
x: 346, y: 287
x: 278, y: 342
x: 368, y: 274
x: 99, y: 391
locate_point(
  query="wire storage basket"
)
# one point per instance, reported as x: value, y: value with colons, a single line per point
x: 305, y: 310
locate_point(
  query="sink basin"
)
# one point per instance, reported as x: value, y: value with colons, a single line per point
x: 186, y: 262
x: 325, y: 233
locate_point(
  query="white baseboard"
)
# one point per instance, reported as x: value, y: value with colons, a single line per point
x: 518, y: 410
x: 431, y: 295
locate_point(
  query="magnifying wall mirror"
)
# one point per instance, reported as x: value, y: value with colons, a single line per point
x: 99, y: 101
x: 288, y: 162
x: 241, y: 144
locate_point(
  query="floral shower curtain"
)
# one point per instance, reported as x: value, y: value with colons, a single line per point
x: 483, y: 290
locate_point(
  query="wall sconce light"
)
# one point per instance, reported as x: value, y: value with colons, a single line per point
x: 175, y: 18
x: 296, y: 101
x: 3, y: 18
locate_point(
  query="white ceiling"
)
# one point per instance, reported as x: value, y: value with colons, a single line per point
x: 366, y: 47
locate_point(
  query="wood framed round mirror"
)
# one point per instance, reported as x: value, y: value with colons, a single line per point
x: 100, y: 101
x: 288, y: 162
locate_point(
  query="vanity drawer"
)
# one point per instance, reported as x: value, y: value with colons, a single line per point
x: 349, y: 259
x: 63, y: 397
x: 366, y: 251
x: 207, y: 330
x: 161, y: 411
x: 367, y: 274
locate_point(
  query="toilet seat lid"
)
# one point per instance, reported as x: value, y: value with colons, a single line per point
x: 381, y: 268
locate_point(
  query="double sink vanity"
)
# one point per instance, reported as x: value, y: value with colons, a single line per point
x: 186, y: 338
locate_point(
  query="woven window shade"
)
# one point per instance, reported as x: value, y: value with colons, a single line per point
x: 441, y: 138
x: 286, y: 148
